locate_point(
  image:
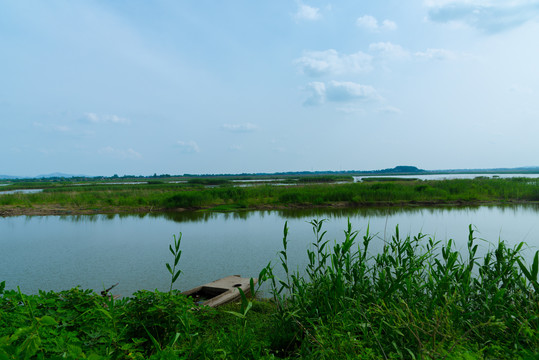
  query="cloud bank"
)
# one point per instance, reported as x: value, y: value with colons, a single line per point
x: 114, y: 119
x: 488, y: 16
x: 331, y: 62
x: 339, y: 91
x: 388, y: 50
x: 306, y: 12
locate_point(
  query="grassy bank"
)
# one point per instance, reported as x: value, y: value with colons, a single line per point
x: 417, y: 299
x: 161, y: 196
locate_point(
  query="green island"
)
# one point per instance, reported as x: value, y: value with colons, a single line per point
x: 221, y: 194
x: 417, y: 299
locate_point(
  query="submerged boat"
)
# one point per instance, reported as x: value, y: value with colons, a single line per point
x: 220, y: 292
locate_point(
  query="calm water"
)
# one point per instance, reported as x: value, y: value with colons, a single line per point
x: 21, y: 191
x: 452, y: 176
x: 60, y: 252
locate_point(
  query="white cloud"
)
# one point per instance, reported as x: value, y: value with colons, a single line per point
x: 188, y: 146
x: 339, y: 91
x: 370, y: 23
x: 390, y: 110
x: 119, y: 153
x: 306, y: 12
x: 488, y: 16
x: 389, y: 50
x: 236, y: 147
x: 355, y: 110
x: 367, y: 22
x: 244, y: 127
x: 350, y: 91
x: 436, y: 54
x: 91, y: 117
x: 56, y: 128
x: 133, y: 154
x: 330, y: 62
x: 114, y: 119
x: 389, y: 25
x: 317, y: 93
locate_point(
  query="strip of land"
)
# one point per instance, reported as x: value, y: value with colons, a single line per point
x: 67, y: 198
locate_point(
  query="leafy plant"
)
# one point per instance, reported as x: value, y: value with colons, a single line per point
x: 177, y: 253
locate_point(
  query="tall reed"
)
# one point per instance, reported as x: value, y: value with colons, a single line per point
x: 417, y: 298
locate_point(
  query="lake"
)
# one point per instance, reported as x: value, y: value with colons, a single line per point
x: 96, y: 251
x: 449, y: 176
x: 21, y: 191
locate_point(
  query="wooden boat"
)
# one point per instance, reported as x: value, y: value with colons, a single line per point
x: 220, y: 292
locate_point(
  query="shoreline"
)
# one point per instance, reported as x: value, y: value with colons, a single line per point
x: 58, y: 210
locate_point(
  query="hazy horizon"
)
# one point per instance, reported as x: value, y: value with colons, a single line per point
x: 61, y: 174
x: 102, y: 88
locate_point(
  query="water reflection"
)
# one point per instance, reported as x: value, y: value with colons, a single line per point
x: 21, y: 191
x: 179, y: 217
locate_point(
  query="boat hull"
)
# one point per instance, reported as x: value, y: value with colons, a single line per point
x: 220, y: 292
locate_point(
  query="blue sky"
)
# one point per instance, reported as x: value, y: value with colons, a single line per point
x: 143, y: 87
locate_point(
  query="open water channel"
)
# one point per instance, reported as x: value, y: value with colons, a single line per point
x: 61, y: 252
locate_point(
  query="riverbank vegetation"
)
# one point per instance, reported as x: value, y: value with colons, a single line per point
x: 222, y: 195
x: 416, y: 299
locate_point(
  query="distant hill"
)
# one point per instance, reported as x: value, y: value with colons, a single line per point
x: 527, y: 168
x: 401, y: 169
x: 9, y: 177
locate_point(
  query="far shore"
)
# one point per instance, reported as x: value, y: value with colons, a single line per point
x: 68, y: 199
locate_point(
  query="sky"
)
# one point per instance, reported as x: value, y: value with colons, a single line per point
x: 137, y: 87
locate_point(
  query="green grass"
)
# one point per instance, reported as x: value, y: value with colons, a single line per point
x: 386, y: 178
x: 168, y: 196
x: 416, y: 299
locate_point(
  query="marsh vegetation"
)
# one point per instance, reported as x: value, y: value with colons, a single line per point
x: 222, y: 195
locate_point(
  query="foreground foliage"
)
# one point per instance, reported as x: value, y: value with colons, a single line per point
x: 80, y: 324
x: 416, y: 299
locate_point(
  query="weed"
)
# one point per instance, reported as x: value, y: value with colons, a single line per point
x: 177, y: 253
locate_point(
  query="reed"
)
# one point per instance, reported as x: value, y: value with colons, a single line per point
x: 417, y: 299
